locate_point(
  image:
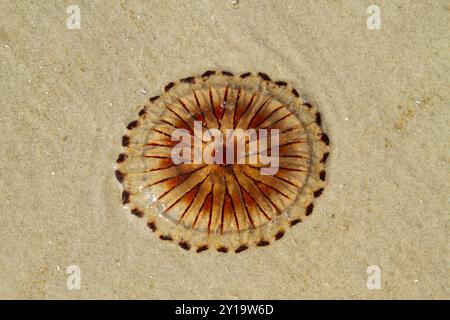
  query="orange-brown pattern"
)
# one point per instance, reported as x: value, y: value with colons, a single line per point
x: 221, y: 206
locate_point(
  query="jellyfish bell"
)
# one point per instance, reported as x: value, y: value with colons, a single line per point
x: 246, y: 161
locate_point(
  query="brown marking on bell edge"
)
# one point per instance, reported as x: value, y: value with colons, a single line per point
x: 279, y: 235
x: 245, y: 75
x: 325, y: 139
x: 241, y: 248
x: 119, y: 176
x: 169, y: 86
x: 325, y: 157
x: 295, y: 93
x: 125, y: 141
x: 202, y: 248
x: 132, y: 124
x: 318, y: 118
x: 125, y: 197
x: 152, y: 99
x: 308, y: 105
x: 142, y: 112
x: 121, y: 158
x: 152, y: 226
x: 208, y: 73
x: 309, y: 209
x: 184, y: 245
x: 188, y: 80
x: 227, y: 73
x: 222, y: 249
x: 318, y: 192
x: 165, y: 238
x: 281, y: 83
x: 264, y: 76
x: 137, y: 212
x: 263, y: 243
x: 294, y: 222
x: 322, y: 175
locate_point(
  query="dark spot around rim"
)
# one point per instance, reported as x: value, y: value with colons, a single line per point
x: 308, y: 105
x: 142, y: 112
x: 132, y: 124
x: 325, y: 157
x: 208, y: 73
x: 165, y: 238
x: 119, y: 176
x: 294, y: 222
x: 202, y: 248
x: 295, y: 93
x: 264, y: 76
x: 281, y: 83
x: 151, y: 225
x: 188, y: 80
x: 318, y: 192
x: 154, y: 98
x: 222, y: 249
x: 263, y: 243
x: 169, y: 86
x: 121, y: 158
x: 241, y: 248
x: 125, y: 196
x: 318, y: 119
x: 322, y: 175
x: 309, y: 209
x: 125, y: 141
x: 245, y: 75
x: 184, y: 245
x: 137, y: 212
x: 279, y: 235
x: 325, y: 139
x: 227, y: 73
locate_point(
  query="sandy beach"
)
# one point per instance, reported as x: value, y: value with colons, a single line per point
x: 68, y: 94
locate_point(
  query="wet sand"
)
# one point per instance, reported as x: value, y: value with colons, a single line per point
x: 67, y: 95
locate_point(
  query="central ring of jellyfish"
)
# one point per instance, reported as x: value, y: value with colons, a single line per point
x: 223, y: 161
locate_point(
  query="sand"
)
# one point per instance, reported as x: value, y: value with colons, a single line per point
x: 67, y: 95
